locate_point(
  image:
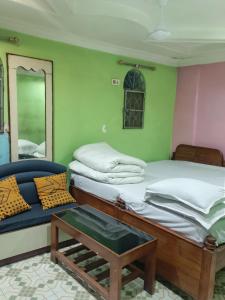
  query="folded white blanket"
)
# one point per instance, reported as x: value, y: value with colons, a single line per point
x: 112, y: 178
x: 103, y: 158
x: 216, y: 213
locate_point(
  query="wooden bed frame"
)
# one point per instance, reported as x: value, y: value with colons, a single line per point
x: 186, y: 264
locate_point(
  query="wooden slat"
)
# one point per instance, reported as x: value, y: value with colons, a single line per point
x: 133, y: 275
x: 170, y: 265
x: 75, y: 250
x: 133, y: 268
x: 88, y: 279
x: 103, y: 275
x: 95, y: 264
x: 71, y: 250
x: 84, y: 256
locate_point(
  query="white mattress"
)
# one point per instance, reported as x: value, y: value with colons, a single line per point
x: 133, y: 195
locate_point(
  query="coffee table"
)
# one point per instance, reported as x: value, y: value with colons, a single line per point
x: 106, y: 240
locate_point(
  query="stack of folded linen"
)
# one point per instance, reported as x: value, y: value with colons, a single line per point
x: 103, y: 163
x: 195, y: 199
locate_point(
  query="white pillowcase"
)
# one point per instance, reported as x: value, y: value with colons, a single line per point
x: 38, y: 155
x: 41, y: 149
x: 197, y: 194
x: 216, y: 213
x: 26, y: 147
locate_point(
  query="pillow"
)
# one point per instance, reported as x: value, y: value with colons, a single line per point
x: 217, y: 212
x: 26, y: 147
x: 11, y: 202
x: 199, y: 195
x: 38, y: 155
x: 41, y: 149
x: 52, y: 190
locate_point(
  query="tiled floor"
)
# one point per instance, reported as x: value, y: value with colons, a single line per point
x: 40, y: 279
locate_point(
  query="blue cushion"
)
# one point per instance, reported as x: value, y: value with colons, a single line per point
x: 29, y: 176
x: 25, y: 171
x: 29, y: 192
x: 35, y: 216
x: 31, y: 165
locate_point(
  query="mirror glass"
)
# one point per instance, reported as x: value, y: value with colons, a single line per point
x: 4, y: 137
x: 31, y: 108
x: 1, y: 98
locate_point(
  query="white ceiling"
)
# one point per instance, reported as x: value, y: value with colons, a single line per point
x: 122, y: 26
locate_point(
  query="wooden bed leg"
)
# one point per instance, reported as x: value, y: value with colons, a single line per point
x: 207, y: 277
x: 54, y: 241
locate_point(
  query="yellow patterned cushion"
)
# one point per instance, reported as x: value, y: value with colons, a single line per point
x: 52, y: 190
x: 11, y: 202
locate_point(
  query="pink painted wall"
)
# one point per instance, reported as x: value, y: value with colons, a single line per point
x: 200, y: 106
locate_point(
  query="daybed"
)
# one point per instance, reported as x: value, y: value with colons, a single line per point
x: 189, y: 265
x: 28, y: 233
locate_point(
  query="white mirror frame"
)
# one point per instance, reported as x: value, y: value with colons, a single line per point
x: 15, y: 61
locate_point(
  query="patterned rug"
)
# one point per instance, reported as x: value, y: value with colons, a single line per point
x: 38, y: 278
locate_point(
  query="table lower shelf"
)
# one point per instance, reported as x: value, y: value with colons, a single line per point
x: 84, y: 263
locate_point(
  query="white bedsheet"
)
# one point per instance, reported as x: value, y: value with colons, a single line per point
x: 133, y: 195
x: 171, y: 168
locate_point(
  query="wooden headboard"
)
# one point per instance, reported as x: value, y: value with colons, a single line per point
x: 197, y: 154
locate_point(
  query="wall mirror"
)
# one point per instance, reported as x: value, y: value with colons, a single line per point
x: 4, y: 137
x: 1, y: 97
x: 30, y: 102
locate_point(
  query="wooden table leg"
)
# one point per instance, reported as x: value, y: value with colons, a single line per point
x: 54, y: 241
x: 150, y: 269
x: 115, y: 282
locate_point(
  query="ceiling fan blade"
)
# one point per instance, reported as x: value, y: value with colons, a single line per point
x: 159, y: 35
x: 160, y: 32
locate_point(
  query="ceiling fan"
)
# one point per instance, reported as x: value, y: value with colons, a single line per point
x: 162, y: 34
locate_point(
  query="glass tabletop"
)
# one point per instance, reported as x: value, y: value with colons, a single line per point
x: 104, y: 229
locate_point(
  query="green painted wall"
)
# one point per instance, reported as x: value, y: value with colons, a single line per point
x: 31, y: 108
x: 84, y: 99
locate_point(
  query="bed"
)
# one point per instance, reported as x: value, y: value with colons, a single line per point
x: 187, y: 261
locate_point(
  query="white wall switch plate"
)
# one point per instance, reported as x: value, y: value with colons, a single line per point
x: 115, y: 81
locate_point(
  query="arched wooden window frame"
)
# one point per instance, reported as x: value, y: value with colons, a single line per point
x: 134, y: 100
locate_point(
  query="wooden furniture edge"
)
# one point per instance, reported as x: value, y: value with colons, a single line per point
x: 211, y: 257
x: 117, y: 262
x: 209, y: 261
x: 197, y: 154
x: 209, y: 243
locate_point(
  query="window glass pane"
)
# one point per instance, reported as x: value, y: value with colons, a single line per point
x: 134, y: 100
x: 134, y: 80
x: 134, y: 93
x: 133, y: 119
